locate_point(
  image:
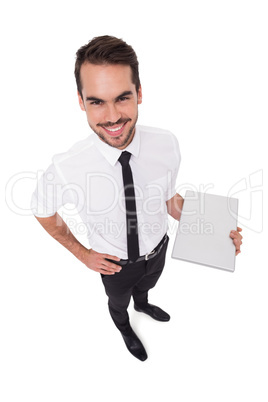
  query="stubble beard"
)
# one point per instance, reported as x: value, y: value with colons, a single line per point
x: 117, y: 142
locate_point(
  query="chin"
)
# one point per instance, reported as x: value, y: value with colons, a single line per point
x: 116, y: 142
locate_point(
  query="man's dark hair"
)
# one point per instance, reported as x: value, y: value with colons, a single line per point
x: 107, y: 50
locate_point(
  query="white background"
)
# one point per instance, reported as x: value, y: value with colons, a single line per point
x: 203, y: 67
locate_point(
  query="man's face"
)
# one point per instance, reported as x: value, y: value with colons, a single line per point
x: 110, y: 101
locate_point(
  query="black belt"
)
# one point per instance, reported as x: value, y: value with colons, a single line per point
x: 148, y: 256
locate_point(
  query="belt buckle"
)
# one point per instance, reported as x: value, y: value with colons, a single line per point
x: 147, y: 255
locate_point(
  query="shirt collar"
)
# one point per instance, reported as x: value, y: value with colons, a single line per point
x: 112, y: 154
x: 134, y: 146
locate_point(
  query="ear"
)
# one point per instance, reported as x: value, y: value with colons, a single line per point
x: 140, y: 96
x: 81, y: 102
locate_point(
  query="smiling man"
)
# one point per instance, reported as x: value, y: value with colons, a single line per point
x: 109, y: 98
x: 121, y: 180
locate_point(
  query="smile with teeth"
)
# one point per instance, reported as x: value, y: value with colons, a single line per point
x: 115, y: 131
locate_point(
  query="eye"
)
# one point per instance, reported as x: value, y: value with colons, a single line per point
x: 96, y: 102
x: 123, y: 99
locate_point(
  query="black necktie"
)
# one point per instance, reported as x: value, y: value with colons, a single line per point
x: 131, y: 212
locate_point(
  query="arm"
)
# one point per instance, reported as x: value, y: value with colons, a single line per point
x: 58, y: 229
x: 174, y: 206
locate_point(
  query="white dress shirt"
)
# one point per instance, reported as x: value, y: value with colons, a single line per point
x: 89, y: 177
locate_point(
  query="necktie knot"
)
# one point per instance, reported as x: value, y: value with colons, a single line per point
x: 124, y: 158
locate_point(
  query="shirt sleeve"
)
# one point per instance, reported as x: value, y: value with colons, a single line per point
x: 175, y: 165
x: 50, y: 194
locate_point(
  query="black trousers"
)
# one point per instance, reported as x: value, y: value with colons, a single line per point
x: 135, y: 279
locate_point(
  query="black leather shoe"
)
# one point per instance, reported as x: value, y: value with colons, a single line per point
x: 135, y: 346
x: 153, y: 311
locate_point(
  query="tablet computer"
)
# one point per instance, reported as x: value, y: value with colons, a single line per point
x: 203, y: 232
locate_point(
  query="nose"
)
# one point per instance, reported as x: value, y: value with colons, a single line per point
x: 112, y: 114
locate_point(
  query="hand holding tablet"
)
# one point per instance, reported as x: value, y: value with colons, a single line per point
x: 206, y: 231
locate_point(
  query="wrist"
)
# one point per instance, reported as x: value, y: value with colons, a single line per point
x: 80, y: 252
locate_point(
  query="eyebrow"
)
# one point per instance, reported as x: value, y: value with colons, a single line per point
x: 94, y: 99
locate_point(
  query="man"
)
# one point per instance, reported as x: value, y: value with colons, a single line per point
x: 122, y: 182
